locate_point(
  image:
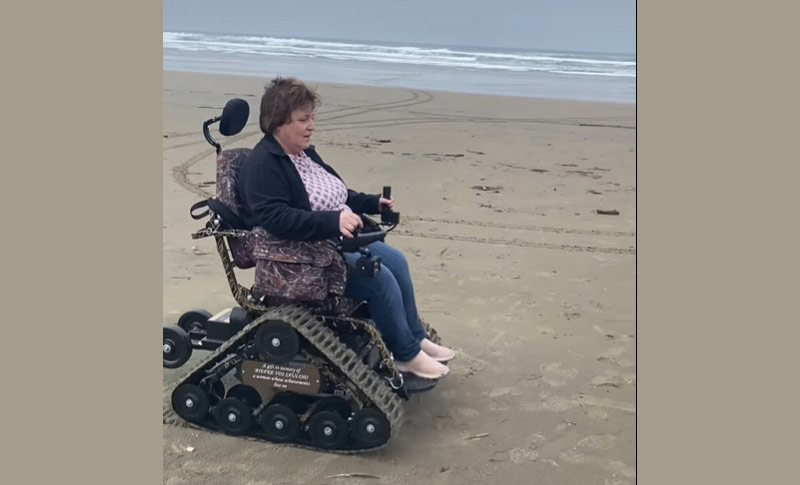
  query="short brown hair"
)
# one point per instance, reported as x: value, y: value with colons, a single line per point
x: 281, y: 97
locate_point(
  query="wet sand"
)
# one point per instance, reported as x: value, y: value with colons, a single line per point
x: 511, y: 261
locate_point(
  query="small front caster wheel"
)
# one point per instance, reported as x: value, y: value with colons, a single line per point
x: 177, y: 347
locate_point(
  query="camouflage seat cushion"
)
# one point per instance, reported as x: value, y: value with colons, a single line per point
x: 310, y: 271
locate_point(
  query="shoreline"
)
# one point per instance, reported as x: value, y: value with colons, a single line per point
x: 599, y: 104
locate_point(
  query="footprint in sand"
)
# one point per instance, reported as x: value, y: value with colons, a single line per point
x: 614, y: 466
x: 597, y: 413
x: 598, y: 442
x: 500, y: 391
x: 528, y: 452
x: 554, y: 375
x: 610, y: 378
x: 523, y: 455
x: 465, y: 413
x: 552, y: 403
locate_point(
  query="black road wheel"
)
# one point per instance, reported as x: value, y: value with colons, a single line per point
x: 190, y: 402
x: 233, y: 416
x: 336, y: 404
x: 277, y: 341
x: 194, y: 323
x: 279, y: 423
x: 370, y: 427
x: 177, y: 347
x: 328, y: 429
x: 246, y: 394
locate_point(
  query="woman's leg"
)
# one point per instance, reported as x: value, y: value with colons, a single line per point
x: 397, y: 264
x: 385, y: 301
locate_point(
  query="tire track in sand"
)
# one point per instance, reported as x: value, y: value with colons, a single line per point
x: 518, y: 243
x: 417, y: 97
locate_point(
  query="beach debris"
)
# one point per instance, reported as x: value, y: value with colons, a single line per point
x: 189, y: 448
x: 604, y: 212
x: 442, y: 251
x: 486, y: 188
x: 207, y: 183
x: 454, y: 155
x: 444, y: 469
x: 388, y: 153
x: 594, y: 192
x: 166, y: 136
x: 568, y: 164
x: 353, y: 475
x: 406, y: 153
x: 382, y: 140
x: 585, y: 173
x: 476, y: 152
x: 538, y: 170
x: 477, y: 436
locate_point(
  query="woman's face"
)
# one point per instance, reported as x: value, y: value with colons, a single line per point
x: 295, y: 136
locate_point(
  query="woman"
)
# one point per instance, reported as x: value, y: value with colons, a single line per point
x: 286, y: 188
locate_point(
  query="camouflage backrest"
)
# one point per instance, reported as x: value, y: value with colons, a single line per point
x: 228, y: 164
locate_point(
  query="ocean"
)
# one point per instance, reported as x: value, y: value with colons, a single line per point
x: 511, y: 72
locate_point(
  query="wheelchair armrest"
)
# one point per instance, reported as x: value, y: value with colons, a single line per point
x: 361, y: 239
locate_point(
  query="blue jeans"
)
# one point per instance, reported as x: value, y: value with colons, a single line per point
x: 390, y: 299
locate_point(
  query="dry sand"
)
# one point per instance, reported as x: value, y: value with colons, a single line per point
x: 511, y: 263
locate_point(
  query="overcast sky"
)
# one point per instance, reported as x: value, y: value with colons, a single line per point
x: 571, y: 25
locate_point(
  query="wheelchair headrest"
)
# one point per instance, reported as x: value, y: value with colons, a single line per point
x: 234, y: 117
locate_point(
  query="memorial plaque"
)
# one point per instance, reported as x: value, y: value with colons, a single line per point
x: 270, y: 379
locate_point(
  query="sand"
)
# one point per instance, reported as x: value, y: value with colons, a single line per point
x: 511, y: 261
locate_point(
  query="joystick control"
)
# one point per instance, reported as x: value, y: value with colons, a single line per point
x: 387, y: 215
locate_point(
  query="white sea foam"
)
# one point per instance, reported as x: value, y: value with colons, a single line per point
x: 519, y: 61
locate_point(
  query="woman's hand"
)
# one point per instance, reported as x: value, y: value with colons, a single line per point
x: 389, y: 203
x: 349, y: 222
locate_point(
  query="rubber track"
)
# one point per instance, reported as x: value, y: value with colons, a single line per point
x: 325, y: 340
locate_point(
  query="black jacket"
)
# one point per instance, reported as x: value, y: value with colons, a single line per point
x: 272, y: 195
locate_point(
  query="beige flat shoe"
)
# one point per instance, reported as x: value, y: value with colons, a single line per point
x: 437, y: 352
x: 423, y: 365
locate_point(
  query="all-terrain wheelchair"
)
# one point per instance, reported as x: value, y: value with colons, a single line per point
x: 312, y: 373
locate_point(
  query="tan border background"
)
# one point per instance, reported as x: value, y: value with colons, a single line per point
x: 716, y: 274
x: 82, y: 242
x: 717, y: 125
